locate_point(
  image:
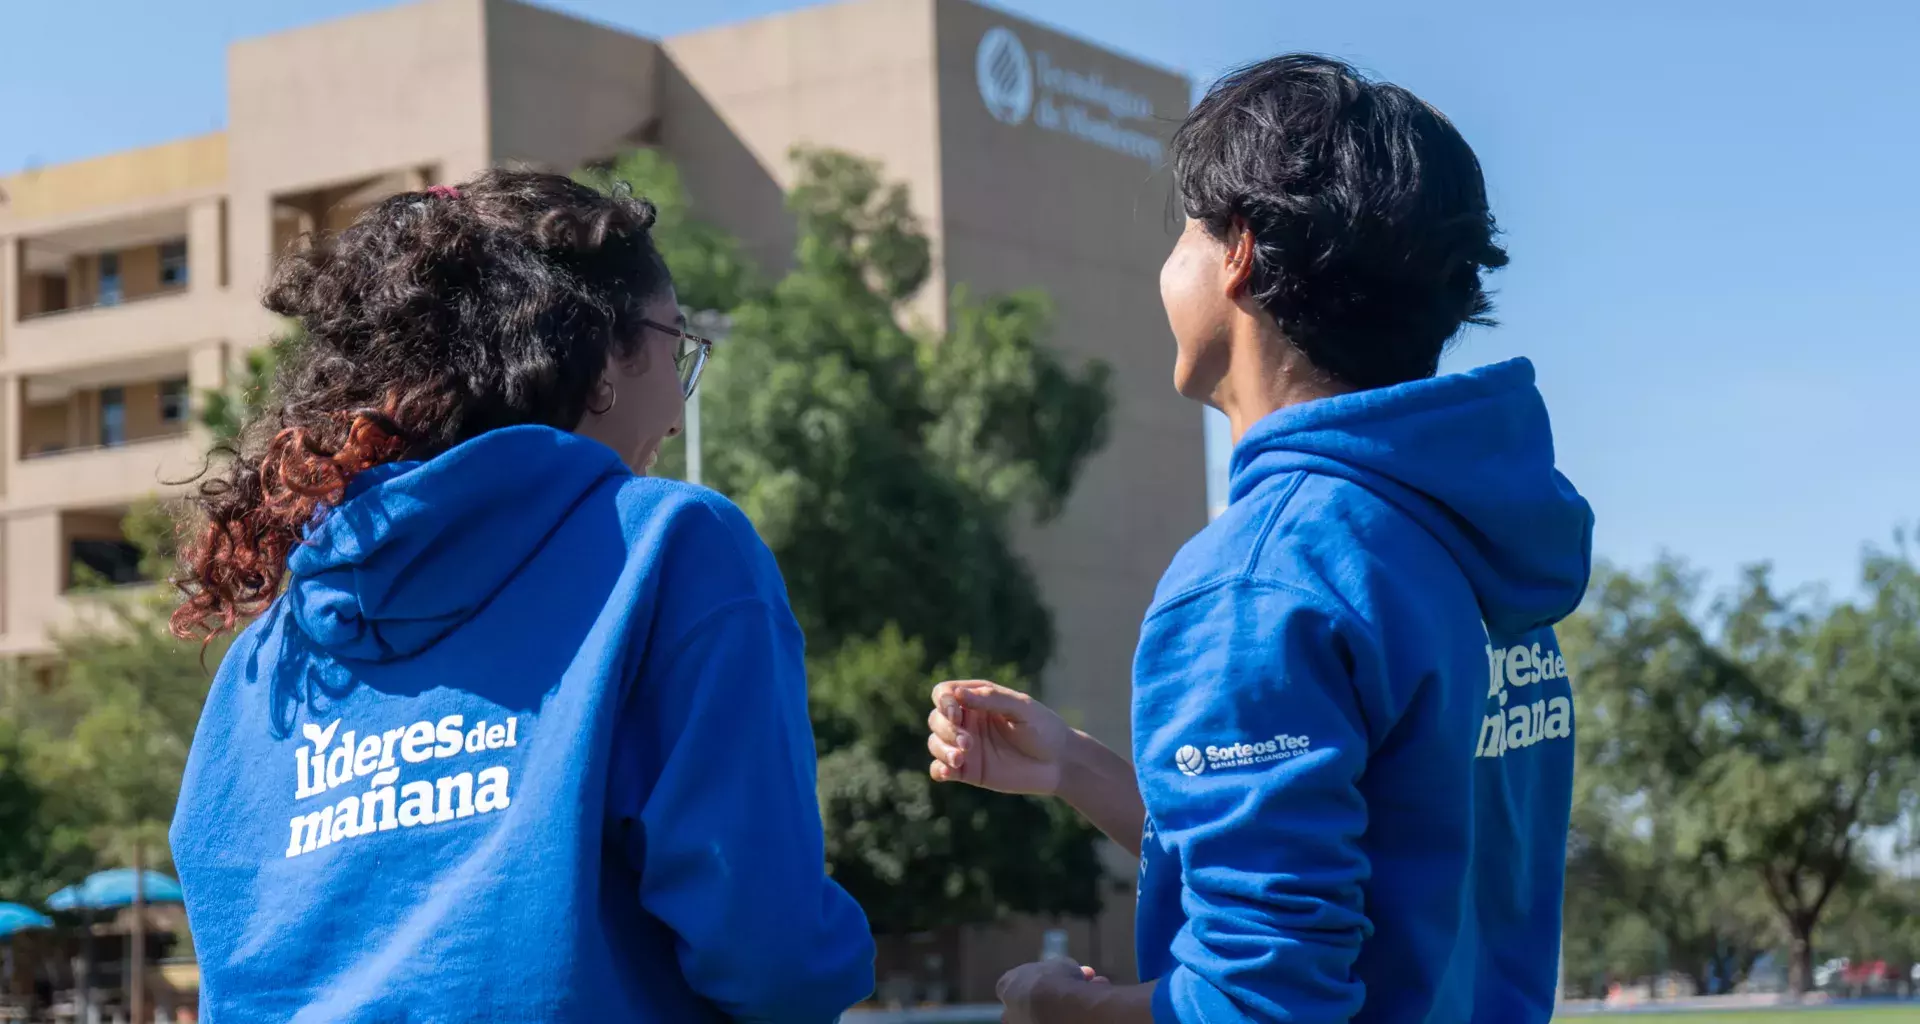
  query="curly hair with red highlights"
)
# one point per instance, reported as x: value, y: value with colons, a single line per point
x: 435, y: 317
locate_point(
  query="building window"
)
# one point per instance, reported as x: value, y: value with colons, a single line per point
x: 111, y: 561
x: 113, y: 417
x: 53, y: 293
x: 173, y: 400
x: 173, y: 264
x: 109, y: 291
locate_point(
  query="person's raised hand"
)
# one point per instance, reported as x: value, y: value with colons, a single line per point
x: 996, y: 738
x: 1024, y: 990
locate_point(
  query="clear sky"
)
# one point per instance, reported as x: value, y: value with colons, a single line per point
x: 1712, y: 208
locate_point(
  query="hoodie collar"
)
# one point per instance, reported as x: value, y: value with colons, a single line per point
x: 1470, y: 457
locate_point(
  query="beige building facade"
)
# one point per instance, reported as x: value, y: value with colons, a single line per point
x: 129, y: 283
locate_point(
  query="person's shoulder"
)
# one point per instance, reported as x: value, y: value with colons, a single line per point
x: 666, y: 491
x: 1243, y: 551
x: 1327, y: 540
x: 649, y: 502
x: 1333, y: 521
x: 687, y: 526
x: 1262, y: 535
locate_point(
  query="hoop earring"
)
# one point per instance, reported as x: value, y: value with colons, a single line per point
x: 613, y: 399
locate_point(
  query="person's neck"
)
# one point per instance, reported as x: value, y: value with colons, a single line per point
x: 1269, y: 374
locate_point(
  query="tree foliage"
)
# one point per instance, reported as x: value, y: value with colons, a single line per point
x: 710, y: 268
x: 1635, y: 908
x: 884, y: 462
x: 1879, y: 921
x: 1752, y: 741
x: 25, y: 861
x: 225, y: 412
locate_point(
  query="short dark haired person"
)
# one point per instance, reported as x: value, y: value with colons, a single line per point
x: 520, y: 733
x: 1352, y: 746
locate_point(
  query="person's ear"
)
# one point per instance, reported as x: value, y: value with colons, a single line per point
x: 1239, y: 258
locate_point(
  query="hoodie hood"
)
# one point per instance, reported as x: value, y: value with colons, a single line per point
x: 1470, y: 457
x: 419, y: 547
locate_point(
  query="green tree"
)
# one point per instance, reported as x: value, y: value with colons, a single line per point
x: 710, y: 269
x: 1762, y: 736
x: 1589, y: 910
x: 1636, y: 907
x: 23, y: 832
x: 225, y: 412
x: 1880, y: 921
x: 885, y: 464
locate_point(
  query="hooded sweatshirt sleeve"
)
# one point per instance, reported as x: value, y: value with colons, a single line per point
x: 1250, y: 745
x: 728, y: 840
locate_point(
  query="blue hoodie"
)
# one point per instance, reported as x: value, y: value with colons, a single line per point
x: 1352, y: 726
x: 525, y: 739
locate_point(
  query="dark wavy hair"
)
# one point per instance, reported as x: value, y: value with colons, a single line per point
x: 435, y: 317
x: 1368, y: 212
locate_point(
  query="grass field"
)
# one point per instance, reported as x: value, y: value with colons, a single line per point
x: 1837, y: 1015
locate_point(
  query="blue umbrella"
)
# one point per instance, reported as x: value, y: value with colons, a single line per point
x: 16, y: 918
x: 105, y: 890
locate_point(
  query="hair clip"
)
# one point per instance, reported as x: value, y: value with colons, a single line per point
x: 443, y: 191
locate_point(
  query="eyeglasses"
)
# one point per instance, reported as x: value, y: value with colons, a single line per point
x: 690, y: 354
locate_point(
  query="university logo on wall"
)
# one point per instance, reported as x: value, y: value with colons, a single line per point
x: 1006, y: 76
x: 1076, y: 98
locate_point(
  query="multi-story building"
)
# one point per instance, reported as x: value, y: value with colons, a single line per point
x: 129, y: 282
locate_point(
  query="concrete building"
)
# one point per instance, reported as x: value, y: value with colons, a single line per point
x: 129, y: 282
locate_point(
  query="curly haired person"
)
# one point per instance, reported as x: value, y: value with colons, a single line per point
x: 518, y: 734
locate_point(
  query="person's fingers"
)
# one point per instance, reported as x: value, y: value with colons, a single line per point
x: 949, y: 746
x: 947, y: 753
x: 947, y: 729
x: 940, y: 772
x: 946, y: 698
x: 994, y: 699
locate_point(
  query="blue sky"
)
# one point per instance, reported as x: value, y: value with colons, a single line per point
x: 1711, y: 208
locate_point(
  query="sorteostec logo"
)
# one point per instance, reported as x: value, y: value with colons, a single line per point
x: 1189, y: 760
x: 1192, y: 760
x: 1006, y: 75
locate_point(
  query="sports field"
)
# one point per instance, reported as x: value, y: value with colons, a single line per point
x: 1811, y: 1015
